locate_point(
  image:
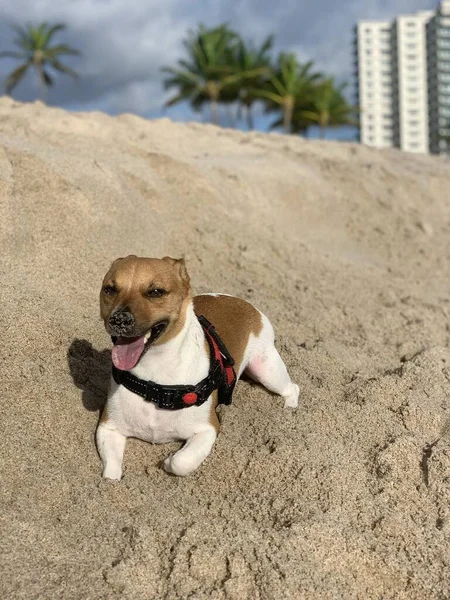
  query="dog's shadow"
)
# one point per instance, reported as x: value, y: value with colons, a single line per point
x: 91, y: 372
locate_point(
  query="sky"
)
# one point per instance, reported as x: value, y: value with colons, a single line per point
x: 125, y: 43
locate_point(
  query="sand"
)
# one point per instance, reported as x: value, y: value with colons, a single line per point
x: 345, y: 248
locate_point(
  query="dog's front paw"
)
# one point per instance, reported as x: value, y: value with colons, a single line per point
x: 177, y: 464
x: 112, y: 472
x: 291, y: 398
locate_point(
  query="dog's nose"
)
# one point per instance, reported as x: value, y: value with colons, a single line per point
x: 122, y: 321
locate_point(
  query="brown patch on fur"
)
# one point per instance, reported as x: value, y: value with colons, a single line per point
x: 235, y: 319
x: 104, y: 415
x: 213, y: 418
x: 131, y: 278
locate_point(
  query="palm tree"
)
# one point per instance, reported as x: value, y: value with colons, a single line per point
x: 289, y: 86
x: 256, y: 60
x: 35, y: 51
x: 210, y: 72
x: 328, y: 107
x: 202, y: 77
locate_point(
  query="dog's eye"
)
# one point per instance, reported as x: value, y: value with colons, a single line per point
x: 110, y: 290
x: 156, y: 293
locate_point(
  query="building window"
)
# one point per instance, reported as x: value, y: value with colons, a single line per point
x: 410, y: 24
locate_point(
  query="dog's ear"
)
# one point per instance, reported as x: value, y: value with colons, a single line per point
x: 180, y: 265
x: 183, y: 271
x: 111, y: 266
x: 116, y: 261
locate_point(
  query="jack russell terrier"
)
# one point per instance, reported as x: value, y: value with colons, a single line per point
x: 175, y: 358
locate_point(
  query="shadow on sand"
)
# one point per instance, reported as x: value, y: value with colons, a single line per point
x: 91, y: 372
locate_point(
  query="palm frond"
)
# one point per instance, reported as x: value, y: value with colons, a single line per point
x: 181, y: 97
x: 48, y: 80
x: 62, y: 49
x: 58, y: 66
x: 15, y: 77
x: 50, y: 31
x: 12, y: 55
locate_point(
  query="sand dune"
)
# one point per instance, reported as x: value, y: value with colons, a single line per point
x: 347, y: 250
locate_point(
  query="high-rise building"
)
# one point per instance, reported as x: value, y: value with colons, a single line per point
x: 403, y: 81
x: 375, y: 93
x: 438, y: 50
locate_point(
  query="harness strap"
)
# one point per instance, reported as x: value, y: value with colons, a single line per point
x: 221, y: 377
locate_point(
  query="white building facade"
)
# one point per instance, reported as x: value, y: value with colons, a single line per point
x: 401, y: 78
x: 375, y: 91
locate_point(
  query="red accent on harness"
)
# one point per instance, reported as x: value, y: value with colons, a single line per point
x: 190, y: 398
x: 227, y: 369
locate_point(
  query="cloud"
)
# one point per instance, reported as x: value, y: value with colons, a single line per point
x: 125, y: 43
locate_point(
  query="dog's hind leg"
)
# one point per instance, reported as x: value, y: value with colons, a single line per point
x: 111, y: 447
x: 266, y: 366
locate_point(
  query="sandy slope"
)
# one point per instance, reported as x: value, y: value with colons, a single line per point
x: 346, y: 249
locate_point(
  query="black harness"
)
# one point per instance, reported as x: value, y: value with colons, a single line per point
x: 221, y: 377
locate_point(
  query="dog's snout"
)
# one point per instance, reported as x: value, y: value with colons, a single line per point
x: 122, y: 321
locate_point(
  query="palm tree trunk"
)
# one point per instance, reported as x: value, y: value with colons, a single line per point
x: 250, y: 123
x: 324, y: 120
x: 42, y: 85
x: 288, y: 109
x: 231, y: 118
x: 214, y: 111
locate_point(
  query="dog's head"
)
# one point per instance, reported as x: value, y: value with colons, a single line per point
x: 142, y: 302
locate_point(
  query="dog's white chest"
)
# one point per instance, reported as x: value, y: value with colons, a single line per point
x: 136, y: 417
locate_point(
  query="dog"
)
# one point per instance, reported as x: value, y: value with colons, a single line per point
x: 164, y: 349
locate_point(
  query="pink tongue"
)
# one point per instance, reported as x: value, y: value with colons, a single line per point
x: 127, y: 352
